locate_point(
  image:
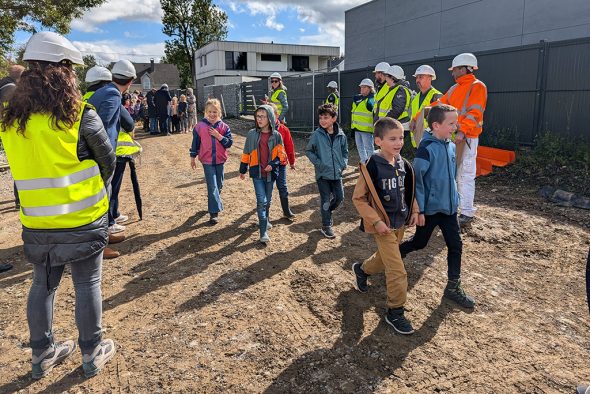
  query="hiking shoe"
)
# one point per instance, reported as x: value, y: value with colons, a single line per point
x: 213, y: 218
x: 396, y: 319
x: 360, y: 278
x: 109, y: 253
x: 93, y: 363
x: 43, y: 364
x: 454, y: 292
x: 116, y: 238
x: 121, y: 219
x: 465, y: 220
x: 264, y: 238
x: 328, y: 232
x: 116, y: 228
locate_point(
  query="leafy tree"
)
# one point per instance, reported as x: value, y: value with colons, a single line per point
x: 89, y: 62
x: 50, y: 14
x: 191, y: 24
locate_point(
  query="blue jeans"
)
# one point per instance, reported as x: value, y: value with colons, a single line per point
x: 86, y: 276
x: 214, y: 179
x: 153, y: 125
x: 163, y: 122
x: 331, y: 195
x: 282, y: 182
x: 364, y: 144
x: 263, y: 189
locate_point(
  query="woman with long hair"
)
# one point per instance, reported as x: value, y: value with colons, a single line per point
x: 278, y: 96
x: 62, y: 161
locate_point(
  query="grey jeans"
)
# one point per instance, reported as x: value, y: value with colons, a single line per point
x: 86, y: 276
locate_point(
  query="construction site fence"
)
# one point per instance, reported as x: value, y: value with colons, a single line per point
x: 531, y: 89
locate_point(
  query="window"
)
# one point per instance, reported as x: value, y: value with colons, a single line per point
x: 146, y: 82
x: 200, y: 61
x: 270, y: 57
x: 300, y: 63
x: 204, y: 60
x: 235, y: 60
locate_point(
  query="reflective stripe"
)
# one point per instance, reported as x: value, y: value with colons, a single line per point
x: 63, y: 209
x: 125, y: 143
x: 64, y: 181
x: 474, y: 106
x: 471, y: 117
x: 363, y: 123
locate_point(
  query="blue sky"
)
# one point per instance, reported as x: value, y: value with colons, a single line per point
x: 119, y: 29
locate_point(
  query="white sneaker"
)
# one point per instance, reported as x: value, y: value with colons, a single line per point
x: 122, y: 218
x: 116, y: 228
x: 265, y: 239
x: 268, y: 225
x: 94, y: 362
x: 44, y: 363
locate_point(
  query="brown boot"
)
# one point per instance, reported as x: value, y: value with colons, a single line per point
x: 109, y: 253
x: 116, y: 238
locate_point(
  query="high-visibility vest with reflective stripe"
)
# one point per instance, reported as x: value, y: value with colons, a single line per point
x: 463, y: 111
x: 336, y: 102
x: 417, y: 107
x: 362, y: 118
x: 381, y: 93
x: 126, y: 146
x: 274, y: 98
x: 56, y: 189
x: 87, y: 96
x: 385, y: 104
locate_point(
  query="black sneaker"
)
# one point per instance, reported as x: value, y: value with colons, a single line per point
x: 454, y: 292
x: 465, y: 220
x: 396, y: 319
x: 360, y: 278
x: 213, y: 218
x: 328, y: 232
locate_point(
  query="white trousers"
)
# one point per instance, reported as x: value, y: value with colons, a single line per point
x: 466, y: 177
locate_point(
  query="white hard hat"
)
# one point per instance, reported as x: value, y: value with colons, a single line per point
x: 367, y: 82
x: 276, y: 75
x: 51, y: 47
x: 124, y: 68
x: 464, y: 59
x: 333, y: 85
x: 425, y: 69
x: 381, y: 67
x: 98, y: 74
x: 396, y: 71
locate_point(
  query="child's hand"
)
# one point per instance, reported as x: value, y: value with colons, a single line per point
x: 413, y: 219
x: 268, y: 168
x: 193, y: 163
x: 214, y: 133
x: 382, y: 228
x: 421, y: 220
x: 242, y: 176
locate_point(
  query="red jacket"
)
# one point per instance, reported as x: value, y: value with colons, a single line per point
x: 288, y: 143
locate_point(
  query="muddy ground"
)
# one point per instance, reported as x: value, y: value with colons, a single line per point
x: 195, y: 308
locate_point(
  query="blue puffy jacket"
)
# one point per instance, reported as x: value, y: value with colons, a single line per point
x: 435, y: 166
x: 329, y: 157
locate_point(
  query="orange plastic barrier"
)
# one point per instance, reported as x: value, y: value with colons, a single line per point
x: 488, y: 157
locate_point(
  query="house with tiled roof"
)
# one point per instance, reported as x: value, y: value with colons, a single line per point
x: 153, y: 75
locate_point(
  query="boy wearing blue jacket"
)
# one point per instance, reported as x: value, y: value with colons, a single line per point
x: 437, y: 197
x: 327, y: 149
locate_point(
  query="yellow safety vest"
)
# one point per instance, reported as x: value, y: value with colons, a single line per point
x: 381, y: 93
x: 362, y: 118
x: 275, y: 99
x: 126, y: 146
x: 417, y: 107
x: 56, y: 189
x: 385, y: 104
x: 336, y: 100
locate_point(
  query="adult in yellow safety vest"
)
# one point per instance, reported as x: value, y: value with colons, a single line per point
x: 333, y: 97
x: 427, y: 94
x: 361, y: 120
x: 396, y: 103
x: 278, y: 96
x: 469, y: 95
x: 381, y: 86
x: 61, y: 159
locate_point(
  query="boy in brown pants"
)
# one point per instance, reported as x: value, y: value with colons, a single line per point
x: 384, y: 197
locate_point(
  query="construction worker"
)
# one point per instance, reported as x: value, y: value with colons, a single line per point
x: 333, y: 97
x: 381, y: 87
x: 61, y: 160
x: 469, y: 95
x: 424, y: 76
x: 361, y: 121
x: 278, y: 96
x: 396, y: 103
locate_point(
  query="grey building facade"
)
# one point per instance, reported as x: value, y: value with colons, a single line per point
x: 406, y: 30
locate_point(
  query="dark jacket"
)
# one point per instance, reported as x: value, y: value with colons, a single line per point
x: 151, y: 110
x: 7, y: 87
x: 107, y: 101
x: 399, y: 103
x: 329, y: 156
x: 161, y: 100
x: 65, y: 246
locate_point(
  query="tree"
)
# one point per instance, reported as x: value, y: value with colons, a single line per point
x: 89, y: 62
x: 50, y: 14
x: 191, y: 25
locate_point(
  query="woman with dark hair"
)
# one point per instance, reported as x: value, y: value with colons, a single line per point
x: 62, y: 161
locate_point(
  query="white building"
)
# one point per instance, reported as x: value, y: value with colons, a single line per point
x: 227, y: 62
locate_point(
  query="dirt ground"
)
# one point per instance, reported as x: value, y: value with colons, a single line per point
x: 195, y: 308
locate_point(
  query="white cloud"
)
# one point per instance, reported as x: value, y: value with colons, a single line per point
x: 146, y: 10
x: 107, y: 51
x: 272, y: 23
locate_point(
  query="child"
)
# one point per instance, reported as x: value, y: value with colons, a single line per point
x: 182, y: 108
x: 328, y: 151
x: 289, y: 159
x: 384, y: 197
x: 174, y: 115
x: 437, y: 197
x: 263, y: 153
x: 211, y: 140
